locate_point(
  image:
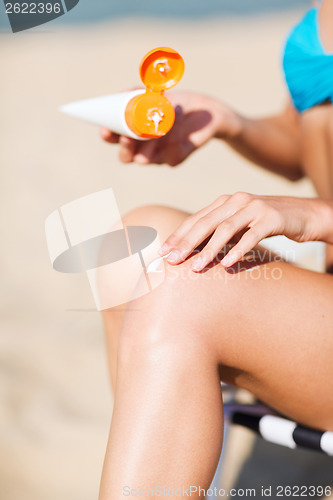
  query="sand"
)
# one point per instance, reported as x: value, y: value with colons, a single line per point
x: 55, y: 399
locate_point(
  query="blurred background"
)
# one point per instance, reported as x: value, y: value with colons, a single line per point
x: 55, y: 403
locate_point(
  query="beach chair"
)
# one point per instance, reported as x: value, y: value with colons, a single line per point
x: 273, y: 427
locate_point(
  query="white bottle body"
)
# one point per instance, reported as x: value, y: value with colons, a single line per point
x: 106, y: 111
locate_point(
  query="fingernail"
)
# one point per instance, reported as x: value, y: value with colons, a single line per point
x: 198, y: 264
x: 164, y: 250
x: 227, y: 261
x: 174, y: 257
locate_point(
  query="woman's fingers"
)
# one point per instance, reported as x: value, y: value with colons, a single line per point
x: 247, y: 242
x: 127, y: 149
x: 186, y: 226
x: 174, y: 158
x: 197, y: 228
x: 224, y: 232
x: 236, y: 215
x: 109, y: 136
x: 145, y: 152
x: 203, y: 228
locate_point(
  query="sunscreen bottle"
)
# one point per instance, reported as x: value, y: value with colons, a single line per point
x: 140, y: 114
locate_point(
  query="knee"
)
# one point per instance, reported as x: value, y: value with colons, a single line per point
x: 161, y: 218
x: 142, y: 214
x: 201, y: 309
x: 183, y: 316
x: 152, y: 215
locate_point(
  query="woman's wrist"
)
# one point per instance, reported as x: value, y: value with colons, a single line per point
x: 328, y: 214
x: 230, y: 124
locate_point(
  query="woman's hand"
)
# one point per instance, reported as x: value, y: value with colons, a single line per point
x: 198, y: 119
x: 248, y: 219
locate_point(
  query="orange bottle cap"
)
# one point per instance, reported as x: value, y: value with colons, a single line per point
x: 161, y: 69
x: 151, y: 115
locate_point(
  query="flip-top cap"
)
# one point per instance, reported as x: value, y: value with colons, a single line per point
x: 161, y: 69
x: 150, y: 115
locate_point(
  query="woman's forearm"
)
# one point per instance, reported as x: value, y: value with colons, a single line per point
x: 272, y: 143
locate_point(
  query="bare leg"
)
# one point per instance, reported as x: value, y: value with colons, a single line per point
x: 267, y: 330
x: 163, y: 219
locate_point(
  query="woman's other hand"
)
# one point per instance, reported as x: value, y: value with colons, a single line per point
x: 248, y: 219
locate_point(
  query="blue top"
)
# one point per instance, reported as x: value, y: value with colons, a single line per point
x: 308, y: 68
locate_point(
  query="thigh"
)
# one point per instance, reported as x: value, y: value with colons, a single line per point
x: 279, y: 342
x: 268, y: 327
